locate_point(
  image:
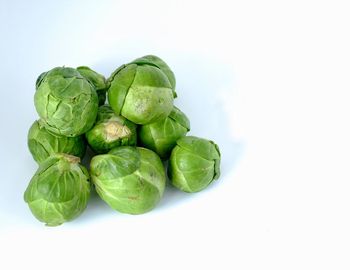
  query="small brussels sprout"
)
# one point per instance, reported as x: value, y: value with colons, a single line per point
x: 129, y: 179
x: 159, y: 63
x: 110, y: 131
x: 66, y: 102
x: 42, y: 143
x: 194, y: 163
x: 97, y: 80
x: 141, y: 93
x: 59, y: 190
x: 161, y: 136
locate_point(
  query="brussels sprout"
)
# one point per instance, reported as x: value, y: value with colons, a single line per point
x: 110, y: 131
x: 97, y: 80
x: 129, y: 179
x: 42, y: 143
x: 159, y: 63
x: 194, y: 163
x: 161, y: 136
x: 141, y: 93
x: 59, y: 190
x: 66, y: 102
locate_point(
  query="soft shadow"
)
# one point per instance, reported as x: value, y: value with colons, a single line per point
x: 89, y: 154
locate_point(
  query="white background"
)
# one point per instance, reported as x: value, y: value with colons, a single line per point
x: 267, y: 80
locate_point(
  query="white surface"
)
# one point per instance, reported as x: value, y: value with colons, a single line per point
x: 267, y: 80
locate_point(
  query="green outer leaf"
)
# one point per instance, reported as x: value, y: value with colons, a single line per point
x: 59, y: 190
x: 202, y: 147
x: 176, y: 176
x: 39, y: 79
x: 110, y: 131
x: 152, y: 167
x: 179, y: 117
x: 97, y: 80
x: 66, y: 102
x: 65, y: 72
x: 119, y: 84
x: 42, y: 143
x: 161, y: 136
x: 146, y: 138
x: 190, y: 172
x: 194, y: 163
x: 129, y: 179
x: 149, y: 98
x: 119, y: 162
x: 158, y: 62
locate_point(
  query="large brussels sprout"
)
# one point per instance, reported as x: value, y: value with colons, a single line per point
x: 42, y: 143
x: 158, y: 62
x: 161, y: 136
x: 97, y: 80
x: 141, y: 93
x: 66, y: 102
x: 59, y: 190
x: 194, y: 163
x: 129, y: 179
x: 110, y: 130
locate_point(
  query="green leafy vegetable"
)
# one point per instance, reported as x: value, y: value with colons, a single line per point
x: 161, y: 136
x: 129, y: 179
x: 66, y: 102
x: 59, y: 190
x: 194, y: 163
x: 110, y: 131
x: 140, y: 92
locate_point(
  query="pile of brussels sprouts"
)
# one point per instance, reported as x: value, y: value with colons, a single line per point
x: 132, y: 136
